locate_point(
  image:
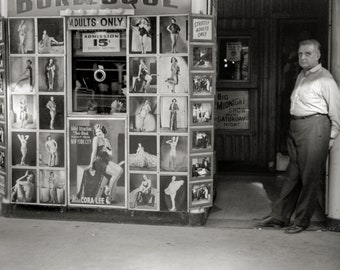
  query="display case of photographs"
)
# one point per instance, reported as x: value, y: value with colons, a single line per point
x: 36, y: 105
x: 3, y: 117
x: 97, y: 162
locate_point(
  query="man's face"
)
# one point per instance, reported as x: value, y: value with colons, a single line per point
x: 309, y: 56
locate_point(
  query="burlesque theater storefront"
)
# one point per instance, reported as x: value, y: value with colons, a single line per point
x: 107, y: 109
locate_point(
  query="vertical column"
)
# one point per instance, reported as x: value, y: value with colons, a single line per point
x: 334, y: 159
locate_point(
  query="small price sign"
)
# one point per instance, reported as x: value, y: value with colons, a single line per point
x: 101, y: 42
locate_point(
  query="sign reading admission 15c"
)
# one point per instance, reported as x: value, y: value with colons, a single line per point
x: 101, y: 42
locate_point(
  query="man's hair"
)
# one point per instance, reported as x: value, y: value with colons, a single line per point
x: 313, y: 42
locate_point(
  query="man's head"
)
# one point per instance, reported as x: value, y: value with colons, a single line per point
x: 309, y: 54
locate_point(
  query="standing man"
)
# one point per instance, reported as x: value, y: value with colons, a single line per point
x: 314, y: 125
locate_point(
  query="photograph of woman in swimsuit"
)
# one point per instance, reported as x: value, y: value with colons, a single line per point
x: 143, y: 35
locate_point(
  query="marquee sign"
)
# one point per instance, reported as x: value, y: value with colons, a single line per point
x: 26, y: 8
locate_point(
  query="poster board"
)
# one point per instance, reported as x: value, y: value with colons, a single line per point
x: 232, y: 110
x: 97, y: 162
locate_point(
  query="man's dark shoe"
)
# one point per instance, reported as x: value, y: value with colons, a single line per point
x: 270, y: 222
x: 295, y: 229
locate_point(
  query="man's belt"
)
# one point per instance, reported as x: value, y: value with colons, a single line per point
x: 294, y: 117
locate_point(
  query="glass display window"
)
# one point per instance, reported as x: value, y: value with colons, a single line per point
x: 99, y: 72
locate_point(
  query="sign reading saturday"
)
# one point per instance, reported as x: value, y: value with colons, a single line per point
x: 202, y: 29
x: 83, y: 23
x: 101, y: 42
x: 232, y: 110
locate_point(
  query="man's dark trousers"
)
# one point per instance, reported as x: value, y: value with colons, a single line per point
x: 308, y: 144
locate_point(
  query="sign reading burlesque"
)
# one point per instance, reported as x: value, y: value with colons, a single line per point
x: 97, y: 162
x: 53, y: 8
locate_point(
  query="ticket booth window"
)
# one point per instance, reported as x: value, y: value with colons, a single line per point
x: 99, y: 72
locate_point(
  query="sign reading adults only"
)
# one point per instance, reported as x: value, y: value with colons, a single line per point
x: 92, y: 23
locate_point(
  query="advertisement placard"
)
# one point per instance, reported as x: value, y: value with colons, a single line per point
x: 232, y: 110
x: 97, y: 162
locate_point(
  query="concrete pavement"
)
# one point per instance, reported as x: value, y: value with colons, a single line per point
x: 47, y: 244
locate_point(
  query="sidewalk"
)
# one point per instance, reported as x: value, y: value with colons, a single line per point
x: 47, y: 244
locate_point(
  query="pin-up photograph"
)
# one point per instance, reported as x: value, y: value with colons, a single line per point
x: 22, y: 33
x: 51, y: 112
x: 2, y: 83
x: 3, y: 159
x: 173, y: 34
x: 173, y: 74
x: 22, y: 78
x: 202, y: 84
x: 201, y: 112
x: 143, y: 153
x: 143, y: 114
x: 143, y: 75
x: 51, y: 149
x: 174, y: 153
x: 174, y: 114
x: 24, y: 186
x: 202, y: 57
x: 173, y: 193
x: 2, y: 56
x: 52, y: 188
x: 51, y: 74
x: 51, y: 35
x: 201, y: 167
x: 23, y: 112
x: 2, y: 108
x: 24, y: 149
x: 201, y: 140
x: 142, y: 35
x: 201, y: 194
x: 2, y: 134
x: 143, y: 191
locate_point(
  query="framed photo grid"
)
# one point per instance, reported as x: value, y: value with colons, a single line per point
x: 166, y: 132
x: 37, y: 120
